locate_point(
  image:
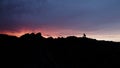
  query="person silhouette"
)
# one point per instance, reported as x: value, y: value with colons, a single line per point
x: 84, y: 35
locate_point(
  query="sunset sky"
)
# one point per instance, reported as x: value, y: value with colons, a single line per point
x: 99, y: 19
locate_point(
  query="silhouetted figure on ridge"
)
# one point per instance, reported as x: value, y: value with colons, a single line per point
x: 84, y: 35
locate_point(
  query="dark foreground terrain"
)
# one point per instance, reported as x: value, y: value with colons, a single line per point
x: 35, y: 51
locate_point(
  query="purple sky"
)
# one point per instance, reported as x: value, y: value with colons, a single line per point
x: 98, y: 18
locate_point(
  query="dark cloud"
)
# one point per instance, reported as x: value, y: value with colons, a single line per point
x: 86, y: 15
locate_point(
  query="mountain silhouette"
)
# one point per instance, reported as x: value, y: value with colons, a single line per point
x: 34, y: 51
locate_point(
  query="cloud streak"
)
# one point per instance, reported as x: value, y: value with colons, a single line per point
x: 83, y: 15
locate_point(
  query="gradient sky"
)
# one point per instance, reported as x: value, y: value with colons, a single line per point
x: 99, y: 19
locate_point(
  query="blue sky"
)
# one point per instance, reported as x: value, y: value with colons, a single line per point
x: 95, y: 17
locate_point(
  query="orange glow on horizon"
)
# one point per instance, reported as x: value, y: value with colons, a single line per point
x: 45, y: 32
x: 64, y: 33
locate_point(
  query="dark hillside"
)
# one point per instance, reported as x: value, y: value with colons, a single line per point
x: 34, y: 51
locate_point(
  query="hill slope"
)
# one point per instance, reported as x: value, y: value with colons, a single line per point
x: 35, y: 51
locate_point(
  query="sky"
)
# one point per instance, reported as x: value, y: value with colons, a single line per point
x: 99, y: 19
